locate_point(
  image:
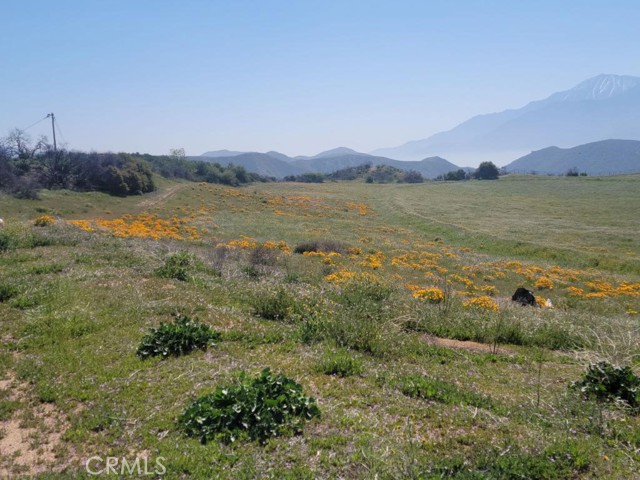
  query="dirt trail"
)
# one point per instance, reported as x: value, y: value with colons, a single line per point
x: 467, y: 345
x: 157, y: 198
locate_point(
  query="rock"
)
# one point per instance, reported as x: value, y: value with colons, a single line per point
x: 524, y: 297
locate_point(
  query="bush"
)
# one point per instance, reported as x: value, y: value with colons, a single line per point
x: 342, y: 364
x: 44, y: 220
x: 259, y: 408
x: 262, y: 255
x: 179, y: 338
x: 277, y: 306
x: 178, y: 266
x: 608, y: 383
x: 325, y: 246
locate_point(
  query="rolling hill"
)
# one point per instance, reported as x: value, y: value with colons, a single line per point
x: 278, y: 165
x: 597, y: 158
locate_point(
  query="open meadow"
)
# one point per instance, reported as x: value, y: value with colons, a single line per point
x: 389, y: 304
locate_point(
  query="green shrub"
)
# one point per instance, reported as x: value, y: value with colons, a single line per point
x: 5, y: 241
x: 178, y: 266
x: 418, y: 386
x: 277, y: 306
x: 342, y: 364
x: 7, y: 291
x: 179, y: 338
x: 608, y: 383
x: 259, y: 408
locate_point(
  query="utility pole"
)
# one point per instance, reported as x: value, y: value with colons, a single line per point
x: 53, y: 127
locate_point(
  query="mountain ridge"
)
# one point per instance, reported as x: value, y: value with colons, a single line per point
x: 602, y: 107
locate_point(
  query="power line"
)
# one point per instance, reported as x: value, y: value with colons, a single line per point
x: 64, y: 140
x: 34, y: 124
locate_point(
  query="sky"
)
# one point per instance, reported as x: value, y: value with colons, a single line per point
x: 298, y: 77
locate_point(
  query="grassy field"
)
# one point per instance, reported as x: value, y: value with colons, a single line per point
x: 402, y: 329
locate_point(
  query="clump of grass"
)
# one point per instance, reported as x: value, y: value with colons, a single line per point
x: 258, y: 408
x: 608, y: 383
x: 325, y: 246
x: 559, y: 461
x: 418, y: 386
x: 178, y: 266
x: 179, y: 338
x: 7, y: 291
x: 340, y: 363
x: 280, y: 305
x: 363, y: 319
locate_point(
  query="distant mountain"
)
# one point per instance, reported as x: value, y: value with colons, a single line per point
x: 328, y: 162
x: 221, y: 153
x: 261, y: 163
x: 597, y: 158
x: 602, y: 107
x: 278, y: 165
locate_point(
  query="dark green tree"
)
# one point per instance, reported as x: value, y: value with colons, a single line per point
x: 486, y: 171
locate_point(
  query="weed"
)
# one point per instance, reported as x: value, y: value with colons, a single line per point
x: 179, y: 338
x: 340, y: 363
x: 178, y: 266
x: 259, y: 408
x: 418, y: 386
x: 7, y: 291
x: 280, y: 306
x: 608, y: 383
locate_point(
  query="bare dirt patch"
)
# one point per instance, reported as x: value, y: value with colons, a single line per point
x: 466, y: 345
x: 31, y: 438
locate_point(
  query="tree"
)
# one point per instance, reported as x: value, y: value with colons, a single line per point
x: 486, y: 171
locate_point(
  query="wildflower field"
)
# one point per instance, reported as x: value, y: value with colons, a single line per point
x: 387, y: 307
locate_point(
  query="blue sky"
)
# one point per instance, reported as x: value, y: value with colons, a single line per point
x: 294, y: 76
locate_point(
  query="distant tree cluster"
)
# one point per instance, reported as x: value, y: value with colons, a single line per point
x: 27, y: 166
x: 366, y: 172
x: 454, y: 176
x: 177, y: 165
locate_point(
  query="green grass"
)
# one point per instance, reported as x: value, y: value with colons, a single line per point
x: 393, y: 404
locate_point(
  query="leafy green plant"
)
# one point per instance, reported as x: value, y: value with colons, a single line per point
x: 259, y: 408
x: 178, y: 266
x: 341, y: 363
x: 608, y: 383
x: 178, y: 338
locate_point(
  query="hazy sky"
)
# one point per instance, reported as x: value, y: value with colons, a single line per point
x: 294, y: 76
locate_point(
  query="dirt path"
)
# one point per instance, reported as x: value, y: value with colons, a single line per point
x: 466, y: 345
x: 156, y: 198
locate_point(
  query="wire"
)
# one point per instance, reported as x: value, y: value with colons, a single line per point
x: 64, y: 140
x: 34, y: 124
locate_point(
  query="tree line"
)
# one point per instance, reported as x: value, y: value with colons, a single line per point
x: 28, y: 166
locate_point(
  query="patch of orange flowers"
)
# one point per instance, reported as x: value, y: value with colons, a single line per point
x: 143, y: 225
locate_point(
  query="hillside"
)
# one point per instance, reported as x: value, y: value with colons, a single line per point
x: 279, y: 165
x: 383, y: 314
x: 598, y: 158
x: 602, y: 107
x: 260, y: 163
